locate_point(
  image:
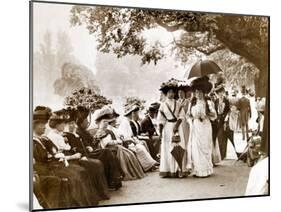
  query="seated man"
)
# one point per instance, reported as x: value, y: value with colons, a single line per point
x: 148, y: 129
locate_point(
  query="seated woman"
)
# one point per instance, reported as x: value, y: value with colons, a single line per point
x: 148, y: 128
x: 93, y: 166
x: 105, y: 138
x: 113, y: 172
x: 61, y: 150
x: 129, y: 129
x: 71, y: 192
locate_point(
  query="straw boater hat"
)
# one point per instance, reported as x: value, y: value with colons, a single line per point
x: 202, y: 84
x: 129, y: 108
x: 171, y: 84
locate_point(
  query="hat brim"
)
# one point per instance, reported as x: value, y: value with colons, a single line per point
x: 167, y: 88
x: 204, y: 87
x: 131, y: 110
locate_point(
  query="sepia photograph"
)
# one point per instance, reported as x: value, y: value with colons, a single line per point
x: 134, y: 105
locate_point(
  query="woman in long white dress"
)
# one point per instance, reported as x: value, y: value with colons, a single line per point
x: 170, y: 118
x: 200, y: 112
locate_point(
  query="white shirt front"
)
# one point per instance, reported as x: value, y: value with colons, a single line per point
x: 56, y: 137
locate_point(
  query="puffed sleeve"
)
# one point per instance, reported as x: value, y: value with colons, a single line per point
x: 161, y: 119
x: 124, y: 129
x: 107, y: 140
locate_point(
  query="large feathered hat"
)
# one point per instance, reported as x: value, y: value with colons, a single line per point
x: 202, y: 84
x: 171, y: 84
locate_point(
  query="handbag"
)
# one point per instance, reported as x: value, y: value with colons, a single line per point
x: 176, y: 138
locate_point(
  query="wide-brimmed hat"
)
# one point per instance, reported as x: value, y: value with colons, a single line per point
x: 171, y: 84
x: 185, y: 88
x: 202, y: 84
x: 58, y: 117
x: 129, y: 108
x: 105, y: 112
x: 41, y: 114
x: 183, y: 85
x: 154, y: 107
x: 71, y: 114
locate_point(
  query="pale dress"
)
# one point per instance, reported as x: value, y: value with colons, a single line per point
x: 143, y: 156
x: 201, y: 140
x: 128, y: 162
x: 258, y: 179
x: 168, y: 165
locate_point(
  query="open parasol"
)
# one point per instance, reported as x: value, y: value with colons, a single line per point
x: 203, y: 68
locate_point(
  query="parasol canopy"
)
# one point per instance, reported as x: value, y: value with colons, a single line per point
x: 203, y: 68
x: 178, y: 153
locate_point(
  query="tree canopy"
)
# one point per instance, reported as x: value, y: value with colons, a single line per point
x: 120, y: 30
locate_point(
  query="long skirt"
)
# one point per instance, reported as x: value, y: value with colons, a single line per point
x: 201, y: 148
x: 151, y: 146
x: 48, y: 191
x: 76, y: 189
x: 96, y: 174
x: 169, y: 167
x: 82, y: 191
x: 143, y: 156
x: 130, y: 165
x: 216, y: 155
x: 112, y: 169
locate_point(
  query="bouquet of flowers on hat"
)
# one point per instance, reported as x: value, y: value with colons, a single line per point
x: 87, y: 98
x: 170, y: 83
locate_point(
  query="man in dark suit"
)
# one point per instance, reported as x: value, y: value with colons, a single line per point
x: 222, y: 109
x: 244, y: 108
x: 148, y: 128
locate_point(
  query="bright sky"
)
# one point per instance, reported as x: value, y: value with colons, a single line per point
x: 55, y: 18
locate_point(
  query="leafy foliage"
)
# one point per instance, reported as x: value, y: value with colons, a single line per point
x: 120, y: 31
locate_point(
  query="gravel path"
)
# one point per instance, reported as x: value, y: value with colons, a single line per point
x: 229, y: 179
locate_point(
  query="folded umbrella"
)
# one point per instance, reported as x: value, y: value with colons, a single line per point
x: 178, y: 153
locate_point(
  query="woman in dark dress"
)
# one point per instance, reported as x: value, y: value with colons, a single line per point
x: 72, y: 190
x: 93, y: 166
x: 112, y: 170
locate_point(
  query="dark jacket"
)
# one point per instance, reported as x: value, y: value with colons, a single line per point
x: 244, y: 107
x: 136, y: 129
x: 221, y: 117
x: 147, y: 126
